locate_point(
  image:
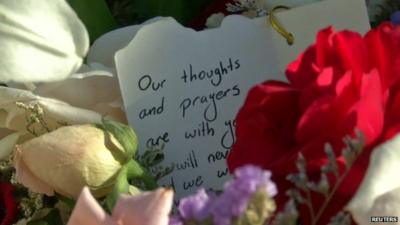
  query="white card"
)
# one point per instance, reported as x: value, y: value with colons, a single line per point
x: 186, y: 87
x: 172, y: 97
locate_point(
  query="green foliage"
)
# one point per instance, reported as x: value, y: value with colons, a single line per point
x: 385, y: 10
x: 125, y: 12
x: 124, y: 135
x: 121, y: 186
x: 51, y: 218
x: 101, y: 16
x: 304, y: 187
x: 95, y: 15
x: 129, y: 172
x: 182, y: 10
x: 67, y: 201
x: 151, y: 160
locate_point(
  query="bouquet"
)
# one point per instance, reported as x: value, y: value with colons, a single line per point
x: 321, y: 148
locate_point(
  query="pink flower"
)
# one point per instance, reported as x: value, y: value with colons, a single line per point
x: 148, y: 208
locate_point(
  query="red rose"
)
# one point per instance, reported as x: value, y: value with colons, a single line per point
x: 342, y: 82
x: 8, y: 206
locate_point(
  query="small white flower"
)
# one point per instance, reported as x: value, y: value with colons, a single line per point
x: 215, y: 20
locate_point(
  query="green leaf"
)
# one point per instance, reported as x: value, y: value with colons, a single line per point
x: 95, y: 15
x: 52, y: 218
x: 182, y: 10
x: 121, y: 186
x: 136, y: 171
x: 124, y: 135
x: 68, y: 201
x: 152, y: 157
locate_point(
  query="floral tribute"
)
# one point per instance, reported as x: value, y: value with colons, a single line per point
x: 321, y: 148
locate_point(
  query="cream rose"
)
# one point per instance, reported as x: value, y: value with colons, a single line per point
x: 69, y: 158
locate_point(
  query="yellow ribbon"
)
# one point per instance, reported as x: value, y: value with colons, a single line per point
x: 278, y: 26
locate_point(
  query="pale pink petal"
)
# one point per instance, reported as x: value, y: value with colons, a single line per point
x: 149, y: 208
x: 88, y: 212
x: 27, y: 178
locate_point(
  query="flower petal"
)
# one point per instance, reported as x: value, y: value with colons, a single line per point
x: 381, y: 178
x: 72, y: 157
x: 55, y: 112
x: 149, y: 208
x: 40, y: 41
x: 386, y: 204
x: 7, y: 144
x: 25, y: 176
x: 92, y: 89
x: 260, y: 122
x: 88, y: 212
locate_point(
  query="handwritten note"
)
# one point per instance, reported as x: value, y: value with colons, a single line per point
x: 183, y: 89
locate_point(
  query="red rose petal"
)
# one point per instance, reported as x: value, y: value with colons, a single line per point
x: 353, y: 54
x: 9, y: 204
x: 340, y: 83
x: 264, y: 125
x: 301, y: 72
x: 324, y: 47
x: 384, y: 49
x: 370, y: 107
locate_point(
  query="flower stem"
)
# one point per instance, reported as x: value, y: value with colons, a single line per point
x: 310, y: 204
x: 136, y: 171
x: 329, y: 197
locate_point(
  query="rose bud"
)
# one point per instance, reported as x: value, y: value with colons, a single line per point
x: 69, y: 158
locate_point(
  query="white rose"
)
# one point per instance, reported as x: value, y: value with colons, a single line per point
x: 40, y: 41
x: 45, y: 42
x: 379, y: 192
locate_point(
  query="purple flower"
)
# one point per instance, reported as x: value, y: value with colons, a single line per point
x: 257, y: 177
x: 395, y: 18
x: 175, y: 220
x: 233, y: 202
x: 196, y: 206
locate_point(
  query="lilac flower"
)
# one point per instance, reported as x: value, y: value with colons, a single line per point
x: 175, y: 220
x: 257, y: 178
x: 233, y: 202
x: 395, y: 18
x: 196, y: 206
